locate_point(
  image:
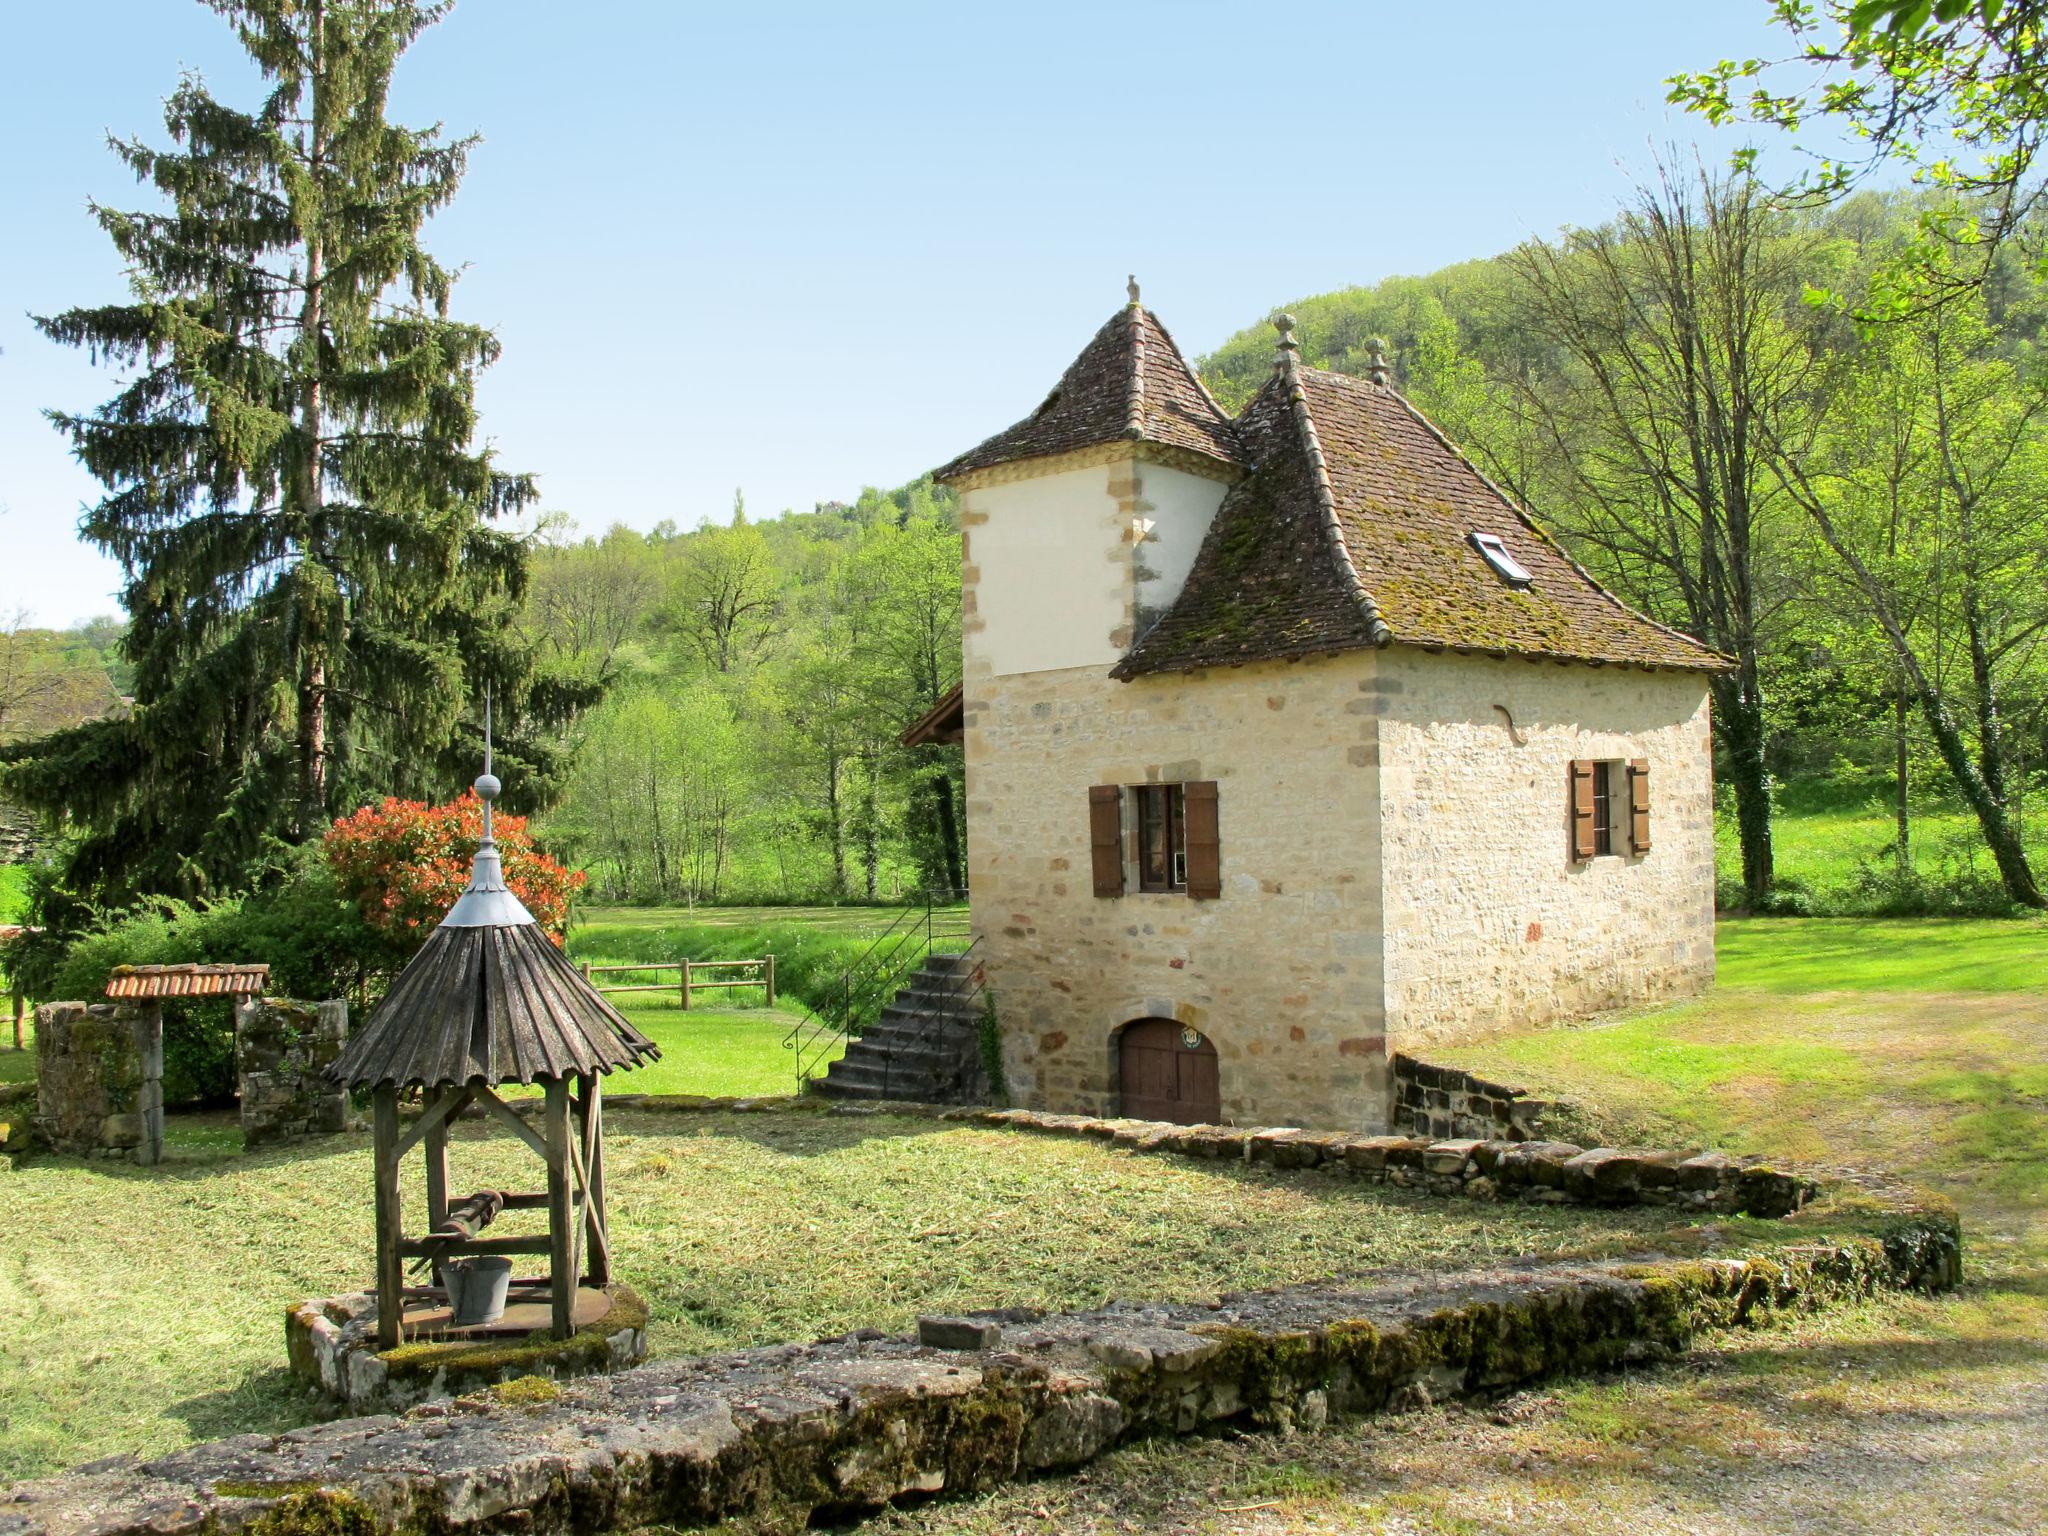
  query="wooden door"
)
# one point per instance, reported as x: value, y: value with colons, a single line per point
x: 1162, y: 1076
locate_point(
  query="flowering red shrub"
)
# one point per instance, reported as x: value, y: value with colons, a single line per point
x: 403, y: 863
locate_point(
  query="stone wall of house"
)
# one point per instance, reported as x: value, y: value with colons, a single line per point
x: 1445, y: 1101
x: 1489, y: 923
x: 282, y: 1052
x: 99, y: 1080
x: 1281, y: 973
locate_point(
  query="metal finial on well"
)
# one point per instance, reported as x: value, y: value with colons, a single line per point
x: 1131, y: 288
x: 1377, y: 370
x: 487, y: 786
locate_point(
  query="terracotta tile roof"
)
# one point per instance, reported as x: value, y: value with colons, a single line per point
x: 1129, y: 384
x: 1354, y: 529
x: 133, y: 981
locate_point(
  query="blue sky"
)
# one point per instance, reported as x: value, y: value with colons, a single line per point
x: 800, y: 249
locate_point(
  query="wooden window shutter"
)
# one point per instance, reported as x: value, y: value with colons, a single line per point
x: 1205, y: 854
x: 1106, y: 837
x: 1582, y: 809
x: 1639, y: 805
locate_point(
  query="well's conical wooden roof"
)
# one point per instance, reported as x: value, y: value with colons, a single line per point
x: 489, y: 998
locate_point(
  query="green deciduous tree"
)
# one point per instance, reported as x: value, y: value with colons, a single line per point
x: 293, y: 487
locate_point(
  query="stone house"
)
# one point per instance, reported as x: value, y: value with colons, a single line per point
x: 1291, y: 742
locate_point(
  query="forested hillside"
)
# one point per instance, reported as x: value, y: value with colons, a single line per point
x: 757, y: 676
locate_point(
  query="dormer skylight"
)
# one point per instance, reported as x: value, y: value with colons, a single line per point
x: 1505, y: 565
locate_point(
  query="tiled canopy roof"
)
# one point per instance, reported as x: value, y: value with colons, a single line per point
x: 1130, y: 384
x: 1354, y: 529
x: 149, y: 981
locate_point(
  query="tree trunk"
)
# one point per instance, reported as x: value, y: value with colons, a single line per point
x: 1990, y: 732
x: 949, y: 828
x: 1902, y: 800
x: 1738, y: 718
x: 871, y: 827
x: 1992, y: 819
x: 837, y: 827
x: 312, y: 724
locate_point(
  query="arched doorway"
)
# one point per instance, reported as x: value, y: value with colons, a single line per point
x: 1167, y: 1071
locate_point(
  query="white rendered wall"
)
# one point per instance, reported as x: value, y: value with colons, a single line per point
x: 1050, y: 572
x: 1178, y: 507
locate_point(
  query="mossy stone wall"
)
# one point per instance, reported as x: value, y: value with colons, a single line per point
x: 282, y: 1052
x: 99, y: 1080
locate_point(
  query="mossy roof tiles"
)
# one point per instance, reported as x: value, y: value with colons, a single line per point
x: 1274, y: 580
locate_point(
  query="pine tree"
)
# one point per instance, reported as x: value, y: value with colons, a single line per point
x: 314, y: 586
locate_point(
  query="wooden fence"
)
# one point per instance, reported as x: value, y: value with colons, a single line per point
x: 692, y: 977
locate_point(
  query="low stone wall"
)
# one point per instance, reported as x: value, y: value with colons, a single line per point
x: 1445, y: 1101
x: 824, y: 1431
x: 1549, y: 1172
x: 99, y: 1080
x: 282, y: 1052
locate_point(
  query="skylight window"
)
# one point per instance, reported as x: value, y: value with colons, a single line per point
x: 1505, y: 565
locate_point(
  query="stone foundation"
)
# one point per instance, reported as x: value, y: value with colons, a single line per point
x: 99, y: 1080
x: 282, y: 1051
x: 1444, y: 1101
x: 822, y: 1432
x: 332, y: 1345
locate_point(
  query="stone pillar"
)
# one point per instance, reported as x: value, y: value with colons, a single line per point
x: 99, y: 1079
x: 282, y: 1051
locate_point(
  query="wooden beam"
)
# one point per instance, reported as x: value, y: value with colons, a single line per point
x: 470, y: 1248
x: 561, y: 1212
x: 444, y: 1106
x: 384, y: 1160
x: 503, y: 1113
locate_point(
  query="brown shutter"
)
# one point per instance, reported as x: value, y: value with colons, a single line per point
x: 1582, y: 808
x: 1106, y: 837
x: 1639, y: 805
x: 1205, y: 854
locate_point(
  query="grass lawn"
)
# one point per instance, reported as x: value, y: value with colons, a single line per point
x: 1822, y: 847
x: 13, y: 892
x: 1916, y: 1047
x: 140, y: 1309
x: 734, y: 1052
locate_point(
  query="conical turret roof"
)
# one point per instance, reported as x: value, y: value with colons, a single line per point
x: 1130, y: 384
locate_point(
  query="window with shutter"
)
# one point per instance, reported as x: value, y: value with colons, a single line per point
x: 1106, y: 838
x: 1639, y: 805
x: 1204, y: 850
x: 1585, y: 775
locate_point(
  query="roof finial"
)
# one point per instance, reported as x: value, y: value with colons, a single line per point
x: 1287, y: 353
x: 1377, y: 372
x: 487, y: 786
x: 1131, y: 288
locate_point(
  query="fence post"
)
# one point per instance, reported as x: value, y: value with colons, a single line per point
x: 768, y: 970
x: 21, y: 1004
x: 586, y: 970
x: 686, y: 986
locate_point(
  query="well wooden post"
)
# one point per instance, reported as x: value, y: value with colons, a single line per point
x: 436, y: 1141
x: 20, y: 1007
x: 384, y: 1157
x: 561, y: 1213
x: 596, y: 1229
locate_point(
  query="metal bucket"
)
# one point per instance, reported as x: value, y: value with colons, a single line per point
x: 477, y: 1289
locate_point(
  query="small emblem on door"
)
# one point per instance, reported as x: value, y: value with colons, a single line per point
x: 1191, y: 1037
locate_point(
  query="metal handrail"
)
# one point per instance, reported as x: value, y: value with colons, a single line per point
x: 876, y: 975
x: 924, y: 1020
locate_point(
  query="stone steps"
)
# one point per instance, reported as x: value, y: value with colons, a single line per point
x: 926, y: 1044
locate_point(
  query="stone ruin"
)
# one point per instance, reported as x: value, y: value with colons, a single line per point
x: 282, y: 1052
x: 100, y: 1066
x: 99, y: 1080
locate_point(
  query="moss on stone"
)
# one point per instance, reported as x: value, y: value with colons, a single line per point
x: 526, y: 1391
x: 584, y: 1350
x: 315, y: 1512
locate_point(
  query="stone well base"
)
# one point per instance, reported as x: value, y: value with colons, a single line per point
x: 332, y: 1342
